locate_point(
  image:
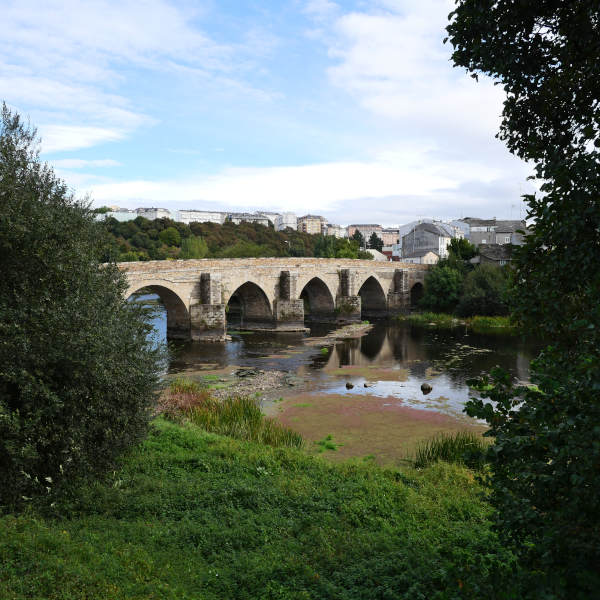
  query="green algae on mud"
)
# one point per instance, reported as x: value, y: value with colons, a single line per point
x: 369, y: 372
x: 367, y: 425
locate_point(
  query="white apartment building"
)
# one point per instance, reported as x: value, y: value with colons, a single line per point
x: 154, y: 213
x: 285, y: 220
x: 200, y: 216
x: 336, y: 230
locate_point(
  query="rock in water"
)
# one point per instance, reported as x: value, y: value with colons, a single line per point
x: 349, y: 385
x: 426, y: 388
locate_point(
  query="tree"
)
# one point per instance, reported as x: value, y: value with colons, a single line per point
x: 170, y: 236
x: 461, y: 249
x: 77, y: 369
x: 545, y: 477
x: 375, y: 242
x: 443, y: 286
x: 357, y: 236
x: 193, y: 247
x: 485, y: 292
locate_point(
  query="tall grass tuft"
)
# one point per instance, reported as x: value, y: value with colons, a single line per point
x: 462, y: 447
x: 237, y: 416
x: 493, y: 325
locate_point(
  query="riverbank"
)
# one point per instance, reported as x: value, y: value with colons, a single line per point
x: 477, y: 324
x: 197, y: 515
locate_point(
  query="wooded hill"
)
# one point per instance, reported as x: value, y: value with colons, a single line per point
x: 161, y: 239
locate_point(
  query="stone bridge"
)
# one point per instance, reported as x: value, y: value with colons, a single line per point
x: 202, y: 296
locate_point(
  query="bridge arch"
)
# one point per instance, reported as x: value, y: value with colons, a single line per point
x: 373, y: 298
x: 249, y: 305
x: 318, y: 300
x: 178, y: 316
x: 416, y: 293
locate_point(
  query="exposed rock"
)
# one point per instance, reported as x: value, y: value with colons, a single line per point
x: 349, y: 385
x: 368, y: 384
x: 426, y: 388
x: 247, y: 372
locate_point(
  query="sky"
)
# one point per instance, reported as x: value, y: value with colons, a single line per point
x: 347, y: 109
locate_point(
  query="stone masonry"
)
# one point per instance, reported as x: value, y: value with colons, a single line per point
x: 272, y: 293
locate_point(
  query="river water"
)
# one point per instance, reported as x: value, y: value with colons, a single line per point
x: 364, y: 393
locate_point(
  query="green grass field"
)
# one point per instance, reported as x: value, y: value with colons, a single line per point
x: 195, y: 515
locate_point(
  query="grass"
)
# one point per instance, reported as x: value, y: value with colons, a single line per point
x: 477, y: 324
x: 461, y: 447
x: 327, y: 443
x: 237, y: 416
x: 194, y: 515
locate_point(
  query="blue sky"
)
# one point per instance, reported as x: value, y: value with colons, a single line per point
x: 347, y: 109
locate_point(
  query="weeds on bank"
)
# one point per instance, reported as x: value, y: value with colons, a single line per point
x: 477, y: 324
x: 237, y: 416
x: 463, y: 447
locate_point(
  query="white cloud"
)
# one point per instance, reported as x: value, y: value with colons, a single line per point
x: 79, y: 163
x: 58, y: 138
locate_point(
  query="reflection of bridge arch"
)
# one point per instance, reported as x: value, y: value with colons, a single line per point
x: 373, y: 300
x: 249, y: 306
x: 178, y: 316
x: 318, y: 301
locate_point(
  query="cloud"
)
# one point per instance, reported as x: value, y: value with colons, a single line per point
x: 58, y: 138
x: 393, y: 188
x: 67, y: 60
x: 78, y: 163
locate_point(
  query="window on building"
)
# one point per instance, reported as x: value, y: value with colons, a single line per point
x: 502, y: 262
x: 484, y: 241
x: 507, y: 239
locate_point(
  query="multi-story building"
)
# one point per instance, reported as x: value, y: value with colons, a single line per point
x: 285, y: 220
x: 366, y: 230
x: 123, y: 214
x: 426, y: 236
x: 272, y: 216
x: 238, y: 218
x: 312, y: 224
x: 200, y: 216
x: 336, y: 230
x: 154, y: 213
x: 493, y: 231
x: 390, y: 236
x: 497, y: 254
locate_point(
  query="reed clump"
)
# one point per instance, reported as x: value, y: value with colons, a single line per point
x: 239, y: 417
x: 462, y: 447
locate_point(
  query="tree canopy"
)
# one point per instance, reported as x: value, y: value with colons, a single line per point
x: 545, y: 477
x: 77, y: 369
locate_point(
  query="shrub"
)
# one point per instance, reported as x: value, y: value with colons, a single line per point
x: 485, y: 292
x: 443, y: 286
x: 77, y: 368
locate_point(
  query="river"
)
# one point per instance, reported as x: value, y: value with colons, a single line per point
x: 365, y: 393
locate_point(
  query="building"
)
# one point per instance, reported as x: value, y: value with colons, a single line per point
x: 272, y: 216
x: 390, y: 236
x: 493, y: 231
x: 123, y: 214
x: 497, y: 254
x: 154, y: 213
x: 380, y: 256
x: 422, y: 257
x: 336, y: 230
x: 285, y: 220
x: 200, y: 216
x: 312, y: 224
x: 426, y: 236
x: 366, y: 230
x: 238, y: 218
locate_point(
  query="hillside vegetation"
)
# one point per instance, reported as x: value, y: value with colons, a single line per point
x: 161, y: 239
x: 196, y: 515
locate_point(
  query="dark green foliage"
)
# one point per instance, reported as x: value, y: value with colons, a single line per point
x: 485, y: 292
x: 461, y: 249
x: 375, y: 242
x: 357, y: 236
x: 194, y: 515
x: 443, y: 287
x: 546, y: 480
x: 329, y: 246
x: 222, y: 241
x: 76, y: 370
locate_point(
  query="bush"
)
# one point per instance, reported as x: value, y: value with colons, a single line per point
x: 485, y: 292
x: 77, y: 369
x: 443, y: 286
